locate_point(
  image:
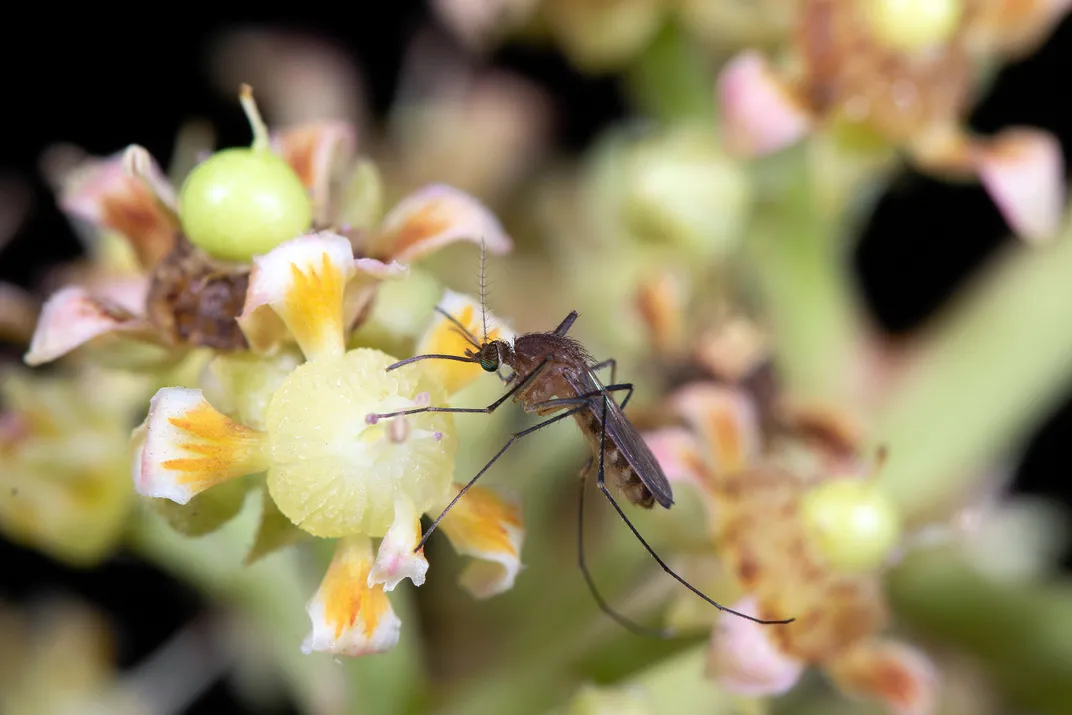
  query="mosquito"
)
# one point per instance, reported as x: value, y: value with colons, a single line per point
x: 552, y: 372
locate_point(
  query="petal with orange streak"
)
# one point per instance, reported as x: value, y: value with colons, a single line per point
x: 315, y: 150
x: 488, y: 527
x: 71, y: 318
x: 186, y: 446
x: 104, y: 193
x: 899, y: 676
x: 434, y: 217
x: 348, y: 616
x: 726, y: 421
x: 444, y: 337
x: 298, y: 288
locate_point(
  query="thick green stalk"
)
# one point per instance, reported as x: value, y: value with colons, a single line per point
x: 980, y: 379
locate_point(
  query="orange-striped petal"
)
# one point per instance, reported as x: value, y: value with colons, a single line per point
x: 71, y: 318
x: 743, y: 660
x: 446, y: 338
x: 901, y: 677
x: 186, y: 446
x: 759, y: 114
x: 300, y: 285
x: 350, y: 617
x: 314, y: 150
x: 128, y: 194
x: 725, y: 419
x: 1023, y: 172
x: 432, y: 218
x: 396, y: 559
x: 489, y: 528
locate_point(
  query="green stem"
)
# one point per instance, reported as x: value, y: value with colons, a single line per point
x: 980, y: 379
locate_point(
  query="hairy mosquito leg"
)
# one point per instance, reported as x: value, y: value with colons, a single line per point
x: 620, y: 619
x: 374, y: 417
x: 601, y: 483
x: 513, y: 438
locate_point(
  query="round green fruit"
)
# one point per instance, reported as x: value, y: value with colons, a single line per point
x: 243, y: 202
x: 853, y: 524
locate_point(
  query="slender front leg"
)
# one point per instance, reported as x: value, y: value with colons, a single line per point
x: 515, y: 437
x: 374, y: 417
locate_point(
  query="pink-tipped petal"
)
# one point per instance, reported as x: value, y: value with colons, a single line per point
x: 487, y: 526
x: 348, y: 616
x: 298, y: 289
x: 743, y: 660
x: 900, y: 677
x: 726, y: 420
x: 678, y: 453
x: 1023, y: 171
x: 128, y: 194
x: 186, y: 446
x: 759, y: 114
x: 71, y: 318
x: 434, y: 217
x: 396, y: 559
x: 315, y: 151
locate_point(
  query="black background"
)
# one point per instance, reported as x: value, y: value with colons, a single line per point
x: 102, y: 84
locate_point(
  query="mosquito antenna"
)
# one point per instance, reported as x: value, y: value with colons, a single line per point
x: 465, y: 331
x: 484, y: 286
x: 431, y: 356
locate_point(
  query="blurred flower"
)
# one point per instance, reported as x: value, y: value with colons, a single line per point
x: 59, y: 658
x: 64, y: 456
x: 332, y: 471
x: 759, y: 487
x: 903, y: 75
x: 182, y: 297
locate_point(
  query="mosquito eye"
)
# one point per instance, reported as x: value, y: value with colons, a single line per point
x: 490, y: 364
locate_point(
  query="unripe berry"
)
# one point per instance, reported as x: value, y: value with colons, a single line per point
x: 243, y: 202
x: 853, y: 524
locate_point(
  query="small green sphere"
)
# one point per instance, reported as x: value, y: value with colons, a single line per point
x: 853, y: 524
x: 243, y: 202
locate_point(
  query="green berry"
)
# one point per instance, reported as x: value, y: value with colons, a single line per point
x: 243, y: 202
x: 853, y: 524
x: 914, y: 25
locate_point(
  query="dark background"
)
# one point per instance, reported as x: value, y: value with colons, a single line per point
x: 104, y: 85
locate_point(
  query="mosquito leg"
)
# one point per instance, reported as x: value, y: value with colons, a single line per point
x: 374, y: 417
x: 623, y: 621
x: 609, y: 361
x: 564, y: 326
x: 601, y: 483
x: 513, y: 438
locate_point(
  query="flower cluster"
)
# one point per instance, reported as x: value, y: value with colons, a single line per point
x: 800, y: 532
x: 903, y: 75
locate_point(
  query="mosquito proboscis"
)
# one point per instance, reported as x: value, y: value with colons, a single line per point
x: 551, y: 373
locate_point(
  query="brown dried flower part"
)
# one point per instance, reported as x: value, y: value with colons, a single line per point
x: 193, y: 299
x: 850, y: 67
x: 754, y: 488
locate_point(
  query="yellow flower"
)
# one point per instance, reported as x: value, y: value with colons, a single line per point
x: 332, y: 471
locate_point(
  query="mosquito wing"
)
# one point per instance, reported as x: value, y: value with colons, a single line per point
x: 622, y: 433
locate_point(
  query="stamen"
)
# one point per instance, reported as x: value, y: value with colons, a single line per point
x: 249, y: 106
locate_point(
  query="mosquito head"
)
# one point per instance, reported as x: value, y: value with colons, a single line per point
x: 491, y: 355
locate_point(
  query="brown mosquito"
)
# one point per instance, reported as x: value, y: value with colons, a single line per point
x: 552, y: 372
